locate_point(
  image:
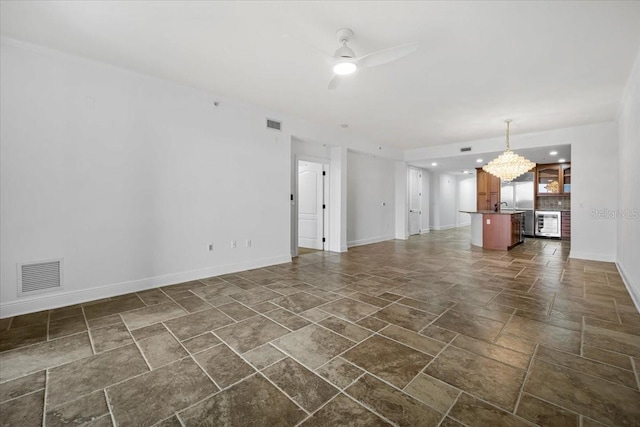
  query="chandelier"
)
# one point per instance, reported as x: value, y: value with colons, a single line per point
x: 508, y: 166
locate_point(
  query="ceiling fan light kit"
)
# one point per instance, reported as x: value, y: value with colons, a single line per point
x: 344, y: 60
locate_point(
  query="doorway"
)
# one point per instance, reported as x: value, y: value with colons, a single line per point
x: 312, y: 205
x: 415, y: 201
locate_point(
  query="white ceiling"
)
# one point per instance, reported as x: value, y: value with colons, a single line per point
x: 546, y: 65
x: 457, y: 165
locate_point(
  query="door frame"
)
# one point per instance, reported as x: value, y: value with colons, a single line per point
x: 421, y: 192
x: 325, y: 214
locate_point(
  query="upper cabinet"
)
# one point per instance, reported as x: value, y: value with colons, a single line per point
x: 553, y: 179
x: 488, y: 190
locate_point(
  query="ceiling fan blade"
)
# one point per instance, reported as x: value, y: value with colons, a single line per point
x: 387, y: 55
x: 296, y: 40
x: 335, y: 81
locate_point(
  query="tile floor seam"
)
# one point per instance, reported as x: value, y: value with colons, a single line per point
x: 495, y: 340
x: 48, y: 324
x: 93, y: 347
x: 542, y: 399
x: 439, y: 353
x: 499, y: 408
x: 590, y: 375
x: 110, y: 407
x: 284, y: 393
x: 400, y: 342
x: 438, y: 317
x: 192, y: 356
x: 338, y: 333
x: 524, y: 380
x: 446, y: 413
x: 635, y: 369
x: 348, y: 396
x: 137, y: 346
x: 22, y: 395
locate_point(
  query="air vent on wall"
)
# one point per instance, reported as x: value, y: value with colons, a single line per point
x: 38, y: 277
x: 273, y: 124
x: 465, y: 149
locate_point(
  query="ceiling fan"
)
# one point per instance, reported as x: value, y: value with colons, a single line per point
x: 345, y: 62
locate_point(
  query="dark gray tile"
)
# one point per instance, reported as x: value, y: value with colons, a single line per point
x: 252, y: 402
x: 251, y: 333
x: 26, y: 360
x: 197, y: 323
x: 25, y: 411
x: 388, y: 359
x: 343, y: 411
x: 67, y: 382
x: 223, y: 365
x: 412, y: 339
x: 299, y: 302
x: 339, y: 372
x: 263, y: 356
x: 153, y: 314
x: 19, y: 337
x: 486, y: 378
x: 406, y: 317
x: 346, y: 329
x: 434, y: 393
x: 22, y: 386
x: 313, y: 345
x: 544, y: 413
x: 67, y: 326
x: 110, y: 337
x: 287, y: 319
x: 161, y: 349
x: 392, y: 404
x: 349, y: 309
x: 79, y: 411
x: 148, y: 331
x: 601, y: 400
x: 476, y: 413
x: 154, y: 396
x: 237, y: 311
x: 106, y: 308
x: 302, y: 385
x: 201, y: 342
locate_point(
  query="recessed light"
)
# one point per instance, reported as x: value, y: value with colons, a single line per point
x: 553, y: 153
x: 434, y: 164
x: 465, y: 171
x: 479, y: 161
x: 344, y: 126
x: 561, y: 160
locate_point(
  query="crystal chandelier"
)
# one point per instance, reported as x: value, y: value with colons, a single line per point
x: 508, y: 166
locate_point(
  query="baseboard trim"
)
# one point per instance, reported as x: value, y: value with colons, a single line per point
x: 464, y: 224
x: 634, y: 291
x: 590, y: 256
x: 425, y: 231
x: 55, y: 300
x: 369, y: 241
x: 443, y: 227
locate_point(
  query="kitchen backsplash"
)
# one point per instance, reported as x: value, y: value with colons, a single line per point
x: 548, y: 202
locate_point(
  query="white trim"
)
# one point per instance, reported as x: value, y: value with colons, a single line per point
x: 369, y: 241
x: 464, y: 224
x: 50, y: 301
x: 592, y: 256
x: 634, y: 291
x: 425, y: 230
x: 443, y: 227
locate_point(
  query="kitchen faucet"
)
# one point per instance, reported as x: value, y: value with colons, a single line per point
x: 496, y: 207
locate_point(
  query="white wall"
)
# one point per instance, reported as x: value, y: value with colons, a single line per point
x: 370, y: 185
x: 442, y: 201
x: 466, y: 198
x: 129, y: 178
x: 594, y: 160
x: 628, y: 225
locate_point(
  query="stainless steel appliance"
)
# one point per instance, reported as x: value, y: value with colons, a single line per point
x: 519, y: 196
x: 548, y: 223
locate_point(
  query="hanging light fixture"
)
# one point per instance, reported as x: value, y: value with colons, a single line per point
x: 508, y: 166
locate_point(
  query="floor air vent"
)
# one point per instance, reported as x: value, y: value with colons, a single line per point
x: 273, y: 124
x: 38, y: 277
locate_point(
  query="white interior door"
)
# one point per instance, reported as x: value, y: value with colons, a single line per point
x: 415, y: 201
x: 310, y: 205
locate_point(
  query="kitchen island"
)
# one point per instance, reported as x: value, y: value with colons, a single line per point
x: 501, y: 230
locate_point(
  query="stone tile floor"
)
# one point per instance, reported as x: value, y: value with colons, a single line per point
x: 423, y: 332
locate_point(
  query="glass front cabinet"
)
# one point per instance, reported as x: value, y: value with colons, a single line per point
x: 553, y: 179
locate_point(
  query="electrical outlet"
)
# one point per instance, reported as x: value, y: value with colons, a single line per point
x: 234, y: 244
x: 249, y: 243
x: 210, y: 247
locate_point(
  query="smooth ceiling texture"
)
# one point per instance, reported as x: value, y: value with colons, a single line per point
x: 546, y: 65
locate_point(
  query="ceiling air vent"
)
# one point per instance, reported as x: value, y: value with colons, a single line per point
x: 273, y: 124
x: 38, y: 277
x: 465, y: 149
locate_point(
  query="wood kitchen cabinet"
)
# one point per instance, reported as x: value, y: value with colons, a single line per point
x: 516, y: 229
x: 553, y: 179
x: 488, y: 190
